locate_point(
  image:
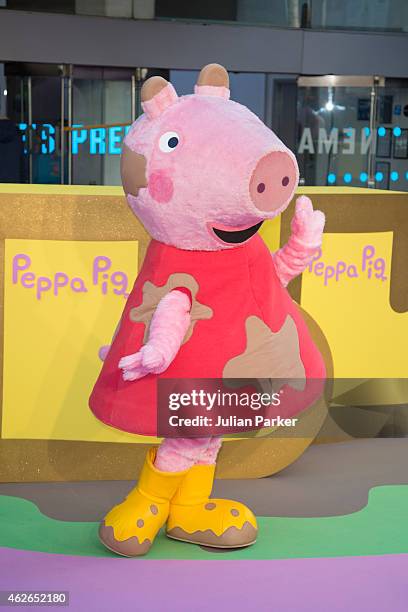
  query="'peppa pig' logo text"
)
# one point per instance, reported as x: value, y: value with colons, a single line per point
x: 369, y: 266
x: 103, y: 278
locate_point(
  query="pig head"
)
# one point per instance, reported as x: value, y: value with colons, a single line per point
x: 202, y: 172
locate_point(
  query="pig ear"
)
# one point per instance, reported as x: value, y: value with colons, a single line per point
x: 213, y: 80
x: 157, y: 94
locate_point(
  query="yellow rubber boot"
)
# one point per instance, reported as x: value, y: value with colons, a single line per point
x: 195, y: 518
x: 130, y: 528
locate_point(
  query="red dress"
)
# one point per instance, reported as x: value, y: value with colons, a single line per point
x: 244, y: 324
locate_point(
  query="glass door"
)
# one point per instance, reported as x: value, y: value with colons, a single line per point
x: 67, y: 122
x: 337, y: 130
x: 34, y: 106
x: 104, y: 104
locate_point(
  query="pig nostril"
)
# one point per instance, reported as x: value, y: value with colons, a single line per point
x: 261, y: 188
x: 285, y: 181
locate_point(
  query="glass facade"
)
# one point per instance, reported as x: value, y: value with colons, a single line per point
x: 385, y: 15
x: 32, y: 105
x: 350, y: 135
x: 101, y: 114
x: 66, y: 124
x: 333, y: 145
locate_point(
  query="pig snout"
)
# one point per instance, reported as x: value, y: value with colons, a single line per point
x: 273, y: 181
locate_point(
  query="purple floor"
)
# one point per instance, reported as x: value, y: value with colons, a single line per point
x: 352, y: 584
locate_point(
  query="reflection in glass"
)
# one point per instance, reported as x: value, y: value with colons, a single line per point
x: 334, y: 137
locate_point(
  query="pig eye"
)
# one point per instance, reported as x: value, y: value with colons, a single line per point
x: 168, y: 142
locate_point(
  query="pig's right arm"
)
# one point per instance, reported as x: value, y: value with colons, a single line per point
x: 304, y: 242
x: 168, y: 327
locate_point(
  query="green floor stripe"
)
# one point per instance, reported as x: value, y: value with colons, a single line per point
x: 377, y: 529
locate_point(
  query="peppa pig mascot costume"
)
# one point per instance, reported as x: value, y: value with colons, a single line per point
x: 202, y: 173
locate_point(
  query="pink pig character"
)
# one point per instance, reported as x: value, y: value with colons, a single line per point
x: 202, y: 173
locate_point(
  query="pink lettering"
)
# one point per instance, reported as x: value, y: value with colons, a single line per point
x: 20, y: 262
x: 43, y: 284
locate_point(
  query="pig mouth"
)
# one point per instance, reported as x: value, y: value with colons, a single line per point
x: 236, y: 236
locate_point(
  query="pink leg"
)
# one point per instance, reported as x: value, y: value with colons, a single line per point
x: 178, y: 454
x: 209, y: 455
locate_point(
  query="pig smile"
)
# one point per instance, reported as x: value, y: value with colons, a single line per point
x: 235, y: 235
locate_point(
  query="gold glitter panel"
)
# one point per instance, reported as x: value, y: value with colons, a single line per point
x: 101, y: 214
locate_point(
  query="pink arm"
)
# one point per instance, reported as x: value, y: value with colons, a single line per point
x: 304, y: 242
x: 168, y: 328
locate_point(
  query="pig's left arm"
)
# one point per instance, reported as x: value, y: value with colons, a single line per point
x: 167, y: 330
x: 304, y: 242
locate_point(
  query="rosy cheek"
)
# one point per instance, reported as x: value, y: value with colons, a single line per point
x: 160, y: 187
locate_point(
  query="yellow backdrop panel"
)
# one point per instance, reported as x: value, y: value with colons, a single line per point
x: 53, y: 328
x: 347, y: 290
x: 61, y: 299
